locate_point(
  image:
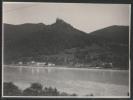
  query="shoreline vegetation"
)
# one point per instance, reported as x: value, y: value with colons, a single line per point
x: 35, y: 89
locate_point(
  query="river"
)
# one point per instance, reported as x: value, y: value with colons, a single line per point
x: 84, y: 81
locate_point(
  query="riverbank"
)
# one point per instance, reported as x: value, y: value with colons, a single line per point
x: 35, y: 89
x: 85, y: 88
x: 71, y: 80
x: 66, y: 67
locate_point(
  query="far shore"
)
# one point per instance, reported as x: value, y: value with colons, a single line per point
x: 64, y: 67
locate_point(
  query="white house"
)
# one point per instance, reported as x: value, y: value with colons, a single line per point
x: 51, y: 64
x: 41, y: 63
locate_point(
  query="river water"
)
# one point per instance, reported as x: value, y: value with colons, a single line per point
x: 82, y: 81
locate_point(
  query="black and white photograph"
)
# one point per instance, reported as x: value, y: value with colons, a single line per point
x: 52, y: 49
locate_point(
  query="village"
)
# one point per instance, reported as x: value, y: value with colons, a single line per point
x: 78, y: 65
x: 36, y: 64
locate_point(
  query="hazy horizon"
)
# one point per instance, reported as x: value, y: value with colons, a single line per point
x: 86, y: 17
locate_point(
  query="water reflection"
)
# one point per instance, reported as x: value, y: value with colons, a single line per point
x: 39, y: 74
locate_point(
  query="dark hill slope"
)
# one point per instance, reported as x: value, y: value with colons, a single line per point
x: 35, y: 40
x: 114, y: 33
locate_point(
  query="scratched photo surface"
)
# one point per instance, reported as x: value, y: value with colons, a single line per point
x: 66, y: 50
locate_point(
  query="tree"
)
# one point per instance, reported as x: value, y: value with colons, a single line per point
x: 50, y: 91
x: 34, y: 90
x: 11, y: 90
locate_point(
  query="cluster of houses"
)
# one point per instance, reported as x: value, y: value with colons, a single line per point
x: 37, y: 64
x: 101, y: 65
x: 78, y: 65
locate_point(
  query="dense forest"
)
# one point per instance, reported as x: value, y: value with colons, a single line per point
x: 62, y: 44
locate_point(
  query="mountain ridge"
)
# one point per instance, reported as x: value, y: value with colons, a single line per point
x: 34, y: 40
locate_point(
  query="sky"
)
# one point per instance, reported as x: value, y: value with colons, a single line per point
x: 86, y: 17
